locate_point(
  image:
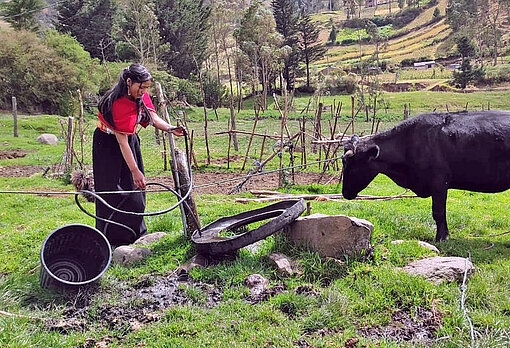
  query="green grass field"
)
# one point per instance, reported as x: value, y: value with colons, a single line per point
x: 340, y: 303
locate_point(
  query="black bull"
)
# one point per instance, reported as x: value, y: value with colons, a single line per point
x: 434, y: 152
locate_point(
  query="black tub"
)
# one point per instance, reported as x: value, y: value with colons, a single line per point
x: 74, y: 255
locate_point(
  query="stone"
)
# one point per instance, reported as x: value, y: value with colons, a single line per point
x: 126, y: 254
x: 285, y: 266
x: 257, y: 284
x: 331, y: 235
x: 438, y: 268
x: 150, y: 238
x: 197, y: 260
x: 420, y: 243
x: 50, y: 139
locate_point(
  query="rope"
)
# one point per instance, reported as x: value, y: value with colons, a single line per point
x: 463, y: 289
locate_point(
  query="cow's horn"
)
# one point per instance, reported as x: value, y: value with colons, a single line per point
x: 354, y: 139
x: 349, y: 153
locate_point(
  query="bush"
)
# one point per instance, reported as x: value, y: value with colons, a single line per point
x: 41, y: 72
x: 306, y: 89
x: 346, y: 42
x: 398, y: 20
x: 347, y: 84
x: 407, y: 62
x: 178, y: 89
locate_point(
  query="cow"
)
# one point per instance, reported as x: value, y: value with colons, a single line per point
x: 431, y: 153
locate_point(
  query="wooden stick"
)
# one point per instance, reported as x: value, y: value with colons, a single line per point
x: 271, y: 196
x: 262, y: 147
x: 229, y: 144
x: 15, y: 116
x: 275, y: 137
x: 251, y: 136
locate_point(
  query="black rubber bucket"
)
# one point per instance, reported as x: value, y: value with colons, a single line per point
x: 72, y: 256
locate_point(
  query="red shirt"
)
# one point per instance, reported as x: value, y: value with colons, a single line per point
x: 125, y: 115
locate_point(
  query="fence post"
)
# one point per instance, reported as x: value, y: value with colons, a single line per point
x: 15, y: 116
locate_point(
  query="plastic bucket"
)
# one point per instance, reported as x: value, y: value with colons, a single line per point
x: 74, y: 255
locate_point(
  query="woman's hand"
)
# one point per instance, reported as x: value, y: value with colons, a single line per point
x: 178, y: 131
x: 138, y: 178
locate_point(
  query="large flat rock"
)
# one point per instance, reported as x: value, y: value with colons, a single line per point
x: 331, y: 235
x: 438, y: 269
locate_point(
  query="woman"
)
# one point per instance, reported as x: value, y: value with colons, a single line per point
x: 117, y: 159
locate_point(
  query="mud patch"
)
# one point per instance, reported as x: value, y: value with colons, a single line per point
x: 137, y: 306
x: 405, y: 327
x: 224, y: 160
x: 15, y: 153
x: 20, y: 171
x: 267, y: 293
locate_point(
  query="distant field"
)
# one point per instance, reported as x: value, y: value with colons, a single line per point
x: 421, y: 40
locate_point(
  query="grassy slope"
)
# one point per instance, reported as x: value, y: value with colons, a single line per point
x: 349, y: 297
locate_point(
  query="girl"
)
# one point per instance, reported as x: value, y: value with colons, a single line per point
x: 117, y: 159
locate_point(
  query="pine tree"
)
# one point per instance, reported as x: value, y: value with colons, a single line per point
x: 90, y: 22
x: 183, y: 26
x: 286, y: 16
x: 311, y: 50
x: 21, y: 13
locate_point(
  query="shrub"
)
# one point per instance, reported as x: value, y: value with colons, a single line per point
x: 41, y: 72
x: 346, y: 42
x: 407, y: 62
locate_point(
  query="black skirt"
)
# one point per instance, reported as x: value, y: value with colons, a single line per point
x: 111, y: 173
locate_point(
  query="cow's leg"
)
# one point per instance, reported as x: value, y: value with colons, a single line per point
x: 439, y: 213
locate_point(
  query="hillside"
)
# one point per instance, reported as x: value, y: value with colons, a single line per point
x: 420, y: 38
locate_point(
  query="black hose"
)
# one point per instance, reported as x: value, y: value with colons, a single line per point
x: 181, y: 200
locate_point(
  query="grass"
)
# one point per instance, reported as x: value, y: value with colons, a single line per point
x: 341, y: 299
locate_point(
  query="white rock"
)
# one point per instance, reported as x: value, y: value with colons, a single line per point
x: 256, y: 283
x: 126, y: 254
x: 285, y: 266
x: 331, y: 235
x: 150, y: 238
x: 438, y: 269
x: 50, y: 139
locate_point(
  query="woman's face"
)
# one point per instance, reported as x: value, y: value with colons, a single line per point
x: 137, y: 89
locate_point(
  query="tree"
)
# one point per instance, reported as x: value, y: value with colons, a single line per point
x: 90, y: 22
x: 467, y: 73
x: 464, y: 46
x: 332, y: 34
x: 21, y: 14
x: 286, y: 16
x: 260, y: 47
x: 184, y: 26
x: 138, y: 27
x: 375, y: 37
x: 436, y: 13
x: 309, y: 45
x: 460, y: 13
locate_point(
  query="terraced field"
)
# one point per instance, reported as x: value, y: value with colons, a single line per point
x: 420, y: 40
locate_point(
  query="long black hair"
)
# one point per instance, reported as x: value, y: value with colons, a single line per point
x: 137, y: 73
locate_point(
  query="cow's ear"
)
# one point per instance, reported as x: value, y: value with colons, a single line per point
x: 373, y: 152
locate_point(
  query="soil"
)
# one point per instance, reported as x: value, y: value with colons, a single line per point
x: 405, y: 327
x: 139, y: 304
x: 267, y: 181
x: 15, y: 153
x: 19, y: 171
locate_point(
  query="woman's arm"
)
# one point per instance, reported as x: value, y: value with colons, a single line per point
x: 164, y: 126
x: 138, y: 177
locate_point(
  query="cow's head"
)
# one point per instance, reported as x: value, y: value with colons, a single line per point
x: 358, y: 165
